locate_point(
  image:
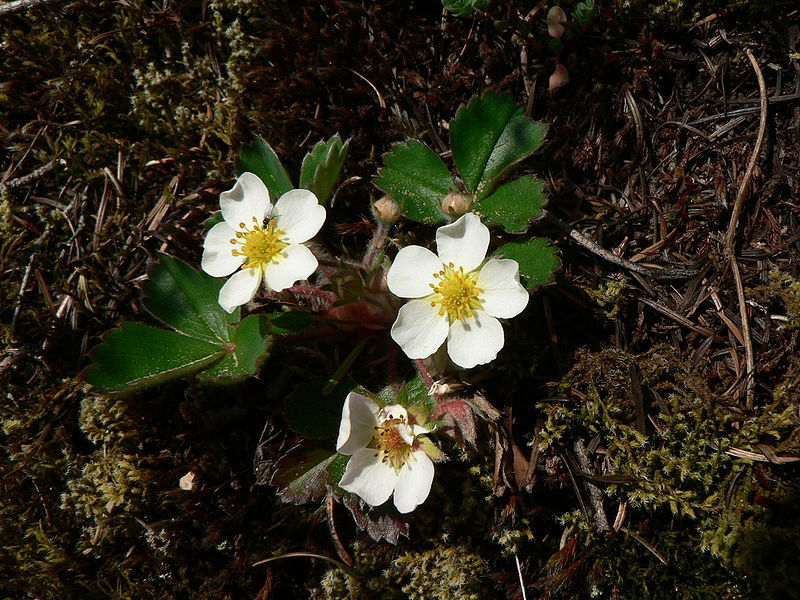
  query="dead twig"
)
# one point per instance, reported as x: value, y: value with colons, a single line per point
x: 34, y: 175
x: 733, y: 225
x: 645, y: 271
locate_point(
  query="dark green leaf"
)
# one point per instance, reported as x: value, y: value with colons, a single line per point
x: 187, y: 300
x: 216, y: 217
x: 321, y: 167
x: 258, y: 157
x: 537, y: 261
x: 250, y: 344
x: 314, y: 414
x: 416, y: 177
x: 514, y: 205
x: 489, y: 136
x: 289, y: 322
x: 465, y: 8
x: 207, y: 339
x: 135, y: 356
x: 301, y: 475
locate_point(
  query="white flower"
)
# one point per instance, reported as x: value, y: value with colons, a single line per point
x: 458, y: 295
x: 387, y: 454
x: 274, y: 253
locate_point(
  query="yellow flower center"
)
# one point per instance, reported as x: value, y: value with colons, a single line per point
x: 259, y: 246
x: 391, y: 446
x: 456, y: 293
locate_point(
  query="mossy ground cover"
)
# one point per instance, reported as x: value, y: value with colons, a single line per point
x: 633, y: 458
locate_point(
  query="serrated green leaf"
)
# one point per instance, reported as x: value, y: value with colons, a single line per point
x: 514, y: 205
x: 314, y: 414
x: 489, y: 136
x: 207, y: 338
x: 187, y: 300
x: 250, y: 344
x: 321, y: 167
x: 135, y: 356
x: 537, y: 261
x: 301, y: 475
x: 416, y: 177
x: 258, y: 157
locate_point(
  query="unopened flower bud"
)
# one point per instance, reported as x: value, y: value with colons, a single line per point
x: 386, y: 210
x: 559, y: 78
x: 556, y: 17
x: 456, y: 204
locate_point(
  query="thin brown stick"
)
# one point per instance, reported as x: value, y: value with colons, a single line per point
x: 733, y: 226
x: 333, y: 561
x: 656, y: 273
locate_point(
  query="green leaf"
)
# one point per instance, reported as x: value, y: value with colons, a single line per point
x: 416, y: 177
x: 314, y: 414
x: 289, y: 322
x: 489, y: 136
x: 216, y: 217
x: 514, y: 205
x: 537, y: 261
x: 465, y: 8
x: 206, y: 338
x: 250, y: 344
x: 321, y: 167
x: 301, y: 475
x: 187, y: 300
x: 135, y: 356
x: 258, y: 157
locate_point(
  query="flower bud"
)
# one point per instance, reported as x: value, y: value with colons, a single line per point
x: 456, y: 204
x: 386, y: 210
x: 559, y: 78
x: 556, y: 17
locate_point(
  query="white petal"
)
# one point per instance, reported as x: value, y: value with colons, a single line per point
x: 217, y: 259
x: 297, y: 262
x: 503, y: 296
x: 298, y: 215
x: 476, y: 340
x: 393, y: 411
x: 368, y: 477
x: 419, y: 329
x: 358, y: 423
x: 414, y: 483
x: 412, y: 272
x: 419, y: 430
x: 239, y: 289
x: 464, y: 242
x: 248, y: 198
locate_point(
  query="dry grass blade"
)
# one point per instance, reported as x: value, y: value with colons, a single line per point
x: 333, y: 561
x: 730, y: 236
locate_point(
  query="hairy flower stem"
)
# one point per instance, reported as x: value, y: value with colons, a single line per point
x: 423, y: 372
x: 375, y: 248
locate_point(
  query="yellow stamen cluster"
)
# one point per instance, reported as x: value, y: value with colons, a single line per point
x: 391, y: 446
x: 258, y: 245
x: 456, y: 293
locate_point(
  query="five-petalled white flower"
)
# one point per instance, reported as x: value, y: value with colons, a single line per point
x: 457, y: 296
x: 388, y: 454
x: 273, y: 253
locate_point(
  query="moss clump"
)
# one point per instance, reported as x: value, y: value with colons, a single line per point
x: 449, y: 572
x: 783, y: 290
x: 674, y: 471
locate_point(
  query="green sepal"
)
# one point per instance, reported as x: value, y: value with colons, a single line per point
x: 321, y: 167
x: 258, y: 157
x: 514, y: 205
x: 489, y: 136
x: 416, y: 177
x: 537, y: 260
